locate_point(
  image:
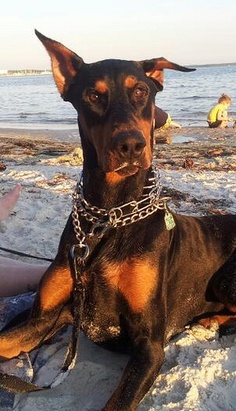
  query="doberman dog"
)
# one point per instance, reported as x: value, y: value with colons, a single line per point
x: 144, y: 271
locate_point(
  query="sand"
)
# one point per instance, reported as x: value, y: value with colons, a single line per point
x: 197, y: 169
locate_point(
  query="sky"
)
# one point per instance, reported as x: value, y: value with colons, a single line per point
x: 188, y: 32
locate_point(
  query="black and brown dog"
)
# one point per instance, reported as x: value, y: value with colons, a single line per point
x: 145, y: 272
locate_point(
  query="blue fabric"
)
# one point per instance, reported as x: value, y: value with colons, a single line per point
x: 42, y: 365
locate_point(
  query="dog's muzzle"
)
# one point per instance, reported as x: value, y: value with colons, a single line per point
x: 129, y: 145
x: 127, y: 151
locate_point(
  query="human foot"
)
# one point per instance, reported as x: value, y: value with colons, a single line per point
x: 8, y: 201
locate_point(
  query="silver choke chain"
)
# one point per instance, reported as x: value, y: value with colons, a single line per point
x: 101, y: 219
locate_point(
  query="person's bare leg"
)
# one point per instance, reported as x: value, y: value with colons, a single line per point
x: 17, y: 277
x: 8, y: 201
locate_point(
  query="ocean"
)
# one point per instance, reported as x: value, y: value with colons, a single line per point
x: 33, y: 102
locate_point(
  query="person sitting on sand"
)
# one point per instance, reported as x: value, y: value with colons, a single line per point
x: 163, y: 120
x: 16, y: 277
x: 218, y: 116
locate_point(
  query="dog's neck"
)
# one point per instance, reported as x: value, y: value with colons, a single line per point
x: 99, y: 192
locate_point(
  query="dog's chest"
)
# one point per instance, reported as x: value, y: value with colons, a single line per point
x: 116, y: 289
x: 134, y: 279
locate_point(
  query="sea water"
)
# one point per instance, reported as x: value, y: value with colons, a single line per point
x: 34, y: 102
x: 188, y: 97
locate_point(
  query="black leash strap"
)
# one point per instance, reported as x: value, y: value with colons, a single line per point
x: 15, y: 384
x: 77, y: 266
x: 8, y: 250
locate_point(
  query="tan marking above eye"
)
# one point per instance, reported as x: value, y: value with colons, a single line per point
x: 101, y: 86
x: 130, y: 81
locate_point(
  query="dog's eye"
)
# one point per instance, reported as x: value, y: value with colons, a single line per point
x: 93, y: 96
x: 139, y: 93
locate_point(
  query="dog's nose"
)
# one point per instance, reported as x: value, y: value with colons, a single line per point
x: 129, y: 144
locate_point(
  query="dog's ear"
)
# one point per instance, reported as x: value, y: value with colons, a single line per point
x: 65, y: 63
x: 154, y: 69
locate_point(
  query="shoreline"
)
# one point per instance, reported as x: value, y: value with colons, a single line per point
x: 67, y: 134
x: 58, y: 132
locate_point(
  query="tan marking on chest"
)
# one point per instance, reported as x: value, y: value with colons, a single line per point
x: 136, y: 279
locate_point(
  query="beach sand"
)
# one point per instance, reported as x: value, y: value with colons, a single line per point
x: 197, y: 169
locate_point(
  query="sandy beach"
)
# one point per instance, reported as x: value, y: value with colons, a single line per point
x: 197, y: 170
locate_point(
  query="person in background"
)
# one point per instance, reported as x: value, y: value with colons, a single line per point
x: 163, y: 120
x: 218, y: 116
x: 16, y: 277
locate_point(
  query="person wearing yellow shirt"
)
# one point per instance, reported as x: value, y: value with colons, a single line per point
x: 218, y: 116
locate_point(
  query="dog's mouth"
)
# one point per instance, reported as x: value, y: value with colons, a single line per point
x: 127, y: 169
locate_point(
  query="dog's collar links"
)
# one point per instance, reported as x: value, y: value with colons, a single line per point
x: 101, y: 219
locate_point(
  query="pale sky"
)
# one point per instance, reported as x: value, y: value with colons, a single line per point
x: 183, y: 31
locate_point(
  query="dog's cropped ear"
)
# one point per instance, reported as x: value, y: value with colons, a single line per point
x: 154, y: 69
x: 65, y: 63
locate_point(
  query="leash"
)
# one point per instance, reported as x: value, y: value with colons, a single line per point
x: 8, y: 250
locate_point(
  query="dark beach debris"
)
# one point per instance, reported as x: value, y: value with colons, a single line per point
x: 219, y: 152
x: 14, y: 148
x: 203, y: 206
x: 25, y: 144
x: 2, y: 166
x: 199, y: 156
x: 188, y: 163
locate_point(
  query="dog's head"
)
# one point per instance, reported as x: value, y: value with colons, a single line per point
x: 115, y: 101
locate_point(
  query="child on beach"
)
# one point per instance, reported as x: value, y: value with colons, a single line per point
x: 218, y: 116
x: 16, y: 277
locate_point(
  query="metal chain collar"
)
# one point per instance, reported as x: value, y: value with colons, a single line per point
x: 101, y: 219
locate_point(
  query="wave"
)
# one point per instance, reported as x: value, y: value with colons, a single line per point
x: 191, y: 97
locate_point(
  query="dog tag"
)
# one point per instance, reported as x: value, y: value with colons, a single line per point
x: 169, y: 220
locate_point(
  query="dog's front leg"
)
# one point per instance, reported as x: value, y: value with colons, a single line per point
x: 50, y: 312
x: 138, y: 377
